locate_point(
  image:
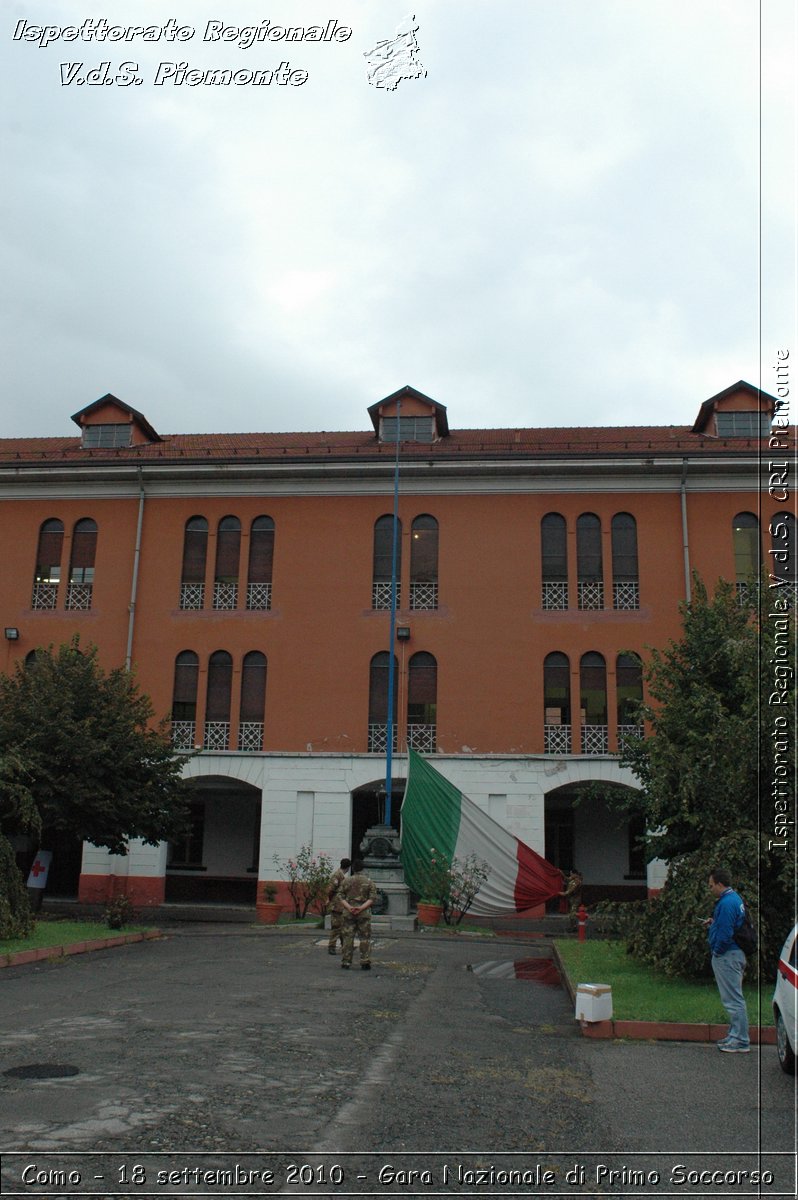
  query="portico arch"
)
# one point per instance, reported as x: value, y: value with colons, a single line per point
x: 586, y: 833
x: 217, y: 861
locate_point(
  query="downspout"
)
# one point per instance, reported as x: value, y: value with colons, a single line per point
x: 135, y: 581
x: 685, y: 537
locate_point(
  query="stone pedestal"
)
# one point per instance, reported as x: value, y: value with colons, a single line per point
x: 380, y: 851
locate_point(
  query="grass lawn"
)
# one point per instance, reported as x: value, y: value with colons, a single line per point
x: 65, y: 933
x: 640, y: 993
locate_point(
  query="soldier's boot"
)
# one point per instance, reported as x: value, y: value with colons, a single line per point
x: 365, y: 966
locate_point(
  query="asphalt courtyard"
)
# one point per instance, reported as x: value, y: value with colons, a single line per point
x: 244, y: 1061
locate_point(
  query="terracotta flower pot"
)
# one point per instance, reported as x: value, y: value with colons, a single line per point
x: 429, y: 914
x: 268, y: 912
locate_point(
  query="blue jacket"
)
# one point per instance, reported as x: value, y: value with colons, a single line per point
x: 726, y: 917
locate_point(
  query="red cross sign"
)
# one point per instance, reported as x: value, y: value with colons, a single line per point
x: 38, y: 872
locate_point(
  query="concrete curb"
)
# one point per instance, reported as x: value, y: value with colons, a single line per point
x: 21, y: 957
x: 660, y: 1031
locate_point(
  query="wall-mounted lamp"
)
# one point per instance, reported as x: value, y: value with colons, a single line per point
x: 12, y: 634
x: 403, y: 633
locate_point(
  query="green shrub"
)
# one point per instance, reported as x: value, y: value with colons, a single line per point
x: 669, y: 935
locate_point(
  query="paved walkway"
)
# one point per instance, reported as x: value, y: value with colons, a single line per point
x: 238, y: 1041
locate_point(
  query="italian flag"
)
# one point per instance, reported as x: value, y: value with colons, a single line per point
x: 437, y: 815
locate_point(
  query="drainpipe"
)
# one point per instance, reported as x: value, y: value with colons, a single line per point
x: 685, y: 538
x: 135, y: 581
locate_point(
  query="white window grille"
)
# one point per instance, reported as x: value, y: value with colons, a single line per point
x: 378, y: 738
x: 225, y: 595
x: 381, y: 595
x: 259, y: 596
x: 557, y: 739
x: 217, y: 735
x: 626, y: 595
x: 423, y: 595
x: 183, y: 734
x: 748, y: 593
x: 595, y: 739
x: 44, y: 595
x: 78, y: 596
x: 192, y: 595
x: 591, y: 595
x: 422, y: 738
x: 625, y: 731
x: 789, y: 591
x: 250, y: 735
x: 555, y: 595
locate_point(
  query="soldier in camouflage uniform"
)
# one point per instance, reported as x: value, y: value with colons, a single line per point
x: 336, y: 907
x: 358, y: 894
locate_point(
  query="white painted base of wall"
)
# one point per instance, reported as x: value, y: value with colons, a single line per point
x: 306, y: 799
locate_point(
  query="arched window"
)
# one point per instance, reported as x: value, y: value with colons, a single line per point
x: 589, y: 567
x: 261, y: 557
x: 625, y: 579
x: 184, y: 700
x: 422, y: 703
x: 378, y: 703
x: 629, y: 693
x: 47, y: 572
x: 745, y: 541
x: 593, y: 703
x: 557, y: 703
x: 383, y: 558
x: 783, y: 567
x: 554, y: 560
x: 195, y: 550
x: 228, y: 552
x: 253, y: 700
x: 424, y: 562
x: 217, y: 707
x: 81, y: 564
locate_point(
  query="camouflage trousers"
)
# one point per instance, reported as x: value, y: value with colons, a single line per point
x: 336, y: 929
x: 359, y: 927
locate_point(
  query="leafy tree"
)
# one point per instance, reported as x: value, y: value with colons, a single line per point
x: 708, y: 770
x: 79, y: 755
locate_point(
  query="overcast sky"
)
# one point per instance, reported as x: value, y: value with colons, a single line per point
x: 558, y: 225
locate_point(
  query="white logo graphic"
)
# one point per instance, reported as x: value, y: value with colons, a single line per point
x: 395, y: 59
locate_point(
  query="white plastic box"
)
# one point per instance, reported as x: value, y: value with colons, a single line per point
x: 593, y: 1002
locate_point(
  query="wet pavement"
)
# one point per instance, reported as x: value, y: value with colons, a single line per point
x: 246, y: 1047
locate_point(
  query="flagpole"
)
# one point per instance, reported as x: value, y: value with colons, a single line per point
x: 392, y: 625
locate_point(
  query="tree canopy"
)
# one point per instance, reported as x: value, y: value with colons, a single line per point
x: 720, y: 743
x: 79, y: 754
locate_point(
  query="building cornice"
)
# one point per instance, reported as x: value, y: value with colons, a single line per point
x: 607, y: 474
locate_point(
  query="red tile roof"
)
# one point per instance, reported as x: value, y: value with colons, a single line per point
x: 461, y: 443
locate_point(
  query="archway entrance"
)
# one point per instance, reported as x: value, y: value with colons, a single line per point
x: 217, y: 861
x: 586, y: 833
x: 368, y: 808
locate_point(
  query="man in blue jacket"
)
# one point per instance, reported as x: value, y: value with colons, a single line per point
x: 728, y: 960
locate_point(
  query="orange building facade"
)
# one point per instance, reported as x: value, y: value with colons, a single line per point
x: 246, y: 578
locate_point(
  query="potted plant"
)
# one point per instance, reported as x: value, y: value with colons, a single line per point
x: 267, y: 909
x: 435, y: 886
x: 429, y: 912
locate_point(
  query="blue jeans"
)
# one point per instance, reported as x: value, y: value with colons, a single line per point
x: 728, y: 969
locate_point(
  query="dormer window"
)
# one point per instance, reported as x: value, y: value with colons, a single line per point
x: 743, y: 424
x: 104, y: 437
x: 407, y: 429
